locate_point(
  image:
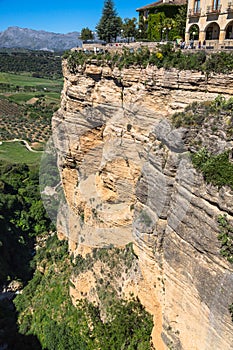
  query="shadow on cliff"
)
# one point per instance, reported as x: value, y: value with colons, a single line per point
x: 10, y: 338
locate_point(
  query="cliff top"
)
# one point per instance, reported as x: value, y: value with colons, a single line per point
x: 162, y: 56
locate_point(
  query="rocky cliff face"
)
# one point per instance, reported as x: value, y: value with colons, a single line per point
x: 127, y: 177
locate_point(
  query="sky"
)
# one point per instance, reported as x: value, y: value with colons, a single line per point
x: 60, y: 16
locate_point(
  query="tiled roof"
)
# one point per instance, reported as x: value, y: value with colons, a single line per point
x: 159, y: 2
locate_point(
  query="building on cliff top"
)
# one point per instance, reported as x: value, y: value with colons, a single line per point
x: 211, y: 22
x: 168, y: 8
x: 153, y: 7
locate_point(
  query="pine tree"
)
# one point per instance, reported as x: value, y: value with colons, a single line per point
x: 110, y: 24
x: 86, y: 34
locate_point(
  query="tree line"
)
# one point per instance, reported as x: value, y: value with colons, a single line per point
x: 167, y: 23
x: 110, y: 25
x: 41, y: 64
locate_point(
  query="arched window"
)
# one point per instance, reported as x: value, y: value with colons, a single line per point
x: 229, y: 31
x: 194, y: 32
x: 212, y: 31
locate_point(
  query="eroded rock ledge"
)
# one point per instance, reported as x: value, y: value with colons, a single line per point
x: 127, y: 177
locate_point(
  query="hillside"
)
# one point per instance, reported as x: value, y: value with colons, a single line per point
x: 15, y: 37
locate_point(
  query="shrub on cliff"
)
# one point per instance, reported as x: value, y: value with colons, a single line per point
x: 220, y: 62
x: 226, y: 237
x: 231, y: 311
x: 216, y: 115
x: 163, y: 56
x: 216, y: 169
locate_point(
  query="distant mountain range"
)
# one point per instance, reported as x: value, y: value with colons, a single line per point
x: 15, y: 37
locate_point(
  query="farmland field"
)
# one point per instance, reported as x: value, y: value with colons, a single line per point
x: 22, y: 97
x: 27, y: 80
x: 26, y: 107
x: 16, y: 152
x: 10, y: 82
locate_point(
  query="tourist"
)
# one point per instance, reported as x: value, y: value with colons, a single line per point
x: 191, y: 44
x: 182, y: 44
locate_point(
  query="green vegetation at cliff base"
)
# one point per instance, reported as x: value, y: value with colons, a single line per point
x: 45, y: 310
x: 22, y: 218
x: 27, y: 116
x: 26, y: 80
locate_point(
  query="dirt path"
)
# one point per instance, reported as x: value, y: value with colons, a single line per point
x: 26, y: 145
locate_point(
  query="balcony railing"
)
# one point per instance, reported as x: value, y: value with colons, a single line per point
x: 213, y: 9
x: 194, y: 12
x: 229, y: 7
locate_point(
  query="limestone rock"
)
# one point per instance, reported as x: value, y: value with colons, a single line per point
x: 127, y: 177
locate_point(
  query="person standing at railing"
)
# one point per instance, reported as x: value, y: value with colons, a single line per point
x: 182, y: 44
x: 191, y: 43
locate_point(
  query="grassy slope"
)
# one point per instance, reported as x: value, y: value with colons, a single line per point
x: 16, y: 152
x: 27, y: 80
x: 22, y: 97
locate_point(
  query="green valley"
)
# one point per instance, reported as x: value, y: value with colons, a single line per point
x: 17, y: 153
x: 30, y: 87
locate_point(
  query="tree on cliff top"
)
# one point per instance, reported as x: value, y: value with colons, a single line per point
x: 129, y: 28
x: 110, y: 24
x: 86, y: 34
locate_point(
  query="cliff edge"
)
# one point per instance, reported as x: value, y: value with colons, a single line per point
x: 128, y: 177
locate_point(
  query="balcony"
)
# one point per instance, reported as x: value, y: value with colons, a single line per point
x: 194, y: 12
x: 216, y: 9
x: 229, y: 7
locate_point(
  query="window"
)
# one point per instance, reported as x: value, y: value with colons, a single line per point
x: 197, y: 6
x: 216, y: 4
x: 209, y: 33
x: 146, y: 14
